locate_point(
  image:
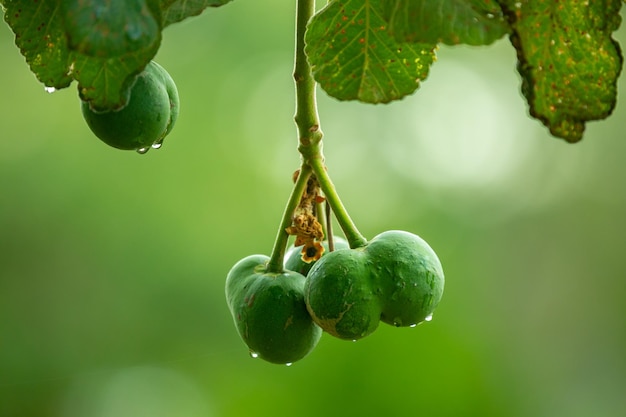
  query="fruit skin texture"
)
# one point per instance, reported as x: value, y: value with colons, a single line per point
x: 341, y: 295
x: 269, y: 311
x: 410, y: 273
x: 396, y: 278
x: 149, y: 115
x: 293, y: 258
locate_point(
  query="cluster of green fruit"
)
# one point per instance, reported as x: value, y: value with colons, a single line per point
x: 396, y: 278
x: 146, y: 119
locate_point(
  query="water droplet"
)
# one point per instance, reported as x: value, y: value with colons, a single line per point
x: 289, y: 363
x: 254, y: 355
x: 50, y: 90
x: 157, y: 145
x: 354, y: 340
x: 143, y: 150
x: 428, y: 317
x: 413, y: 325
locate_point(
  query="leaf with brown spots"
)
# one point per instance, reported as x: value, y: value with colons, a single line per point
x: 567, y: 59
x: 472, y: 22
x: 102, y: 44
x: 40, y: 36
x: 353, y: 57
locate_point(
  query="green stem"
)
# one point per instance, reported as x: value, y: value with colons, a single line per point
x: 309, y: 134
x: 330, y: 238
x: 275, y: 263
x: 306, y: 117
x: 309, y: 131
x: 320, y: 214
x: 310, y: 147
x: 354, y: 237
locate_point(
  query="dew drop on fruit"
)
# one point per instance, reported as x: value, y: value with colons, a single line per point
x: 50, y: 89
x: 428, y: 317
x: 254, y: 355
x: 143, y: 150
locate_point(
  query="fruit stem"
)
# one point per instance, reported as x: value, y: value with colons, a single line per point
x: 308, y: 124
x: 354, y: 237
x: 330, y: 238
x: 275, y: 264
x: 309, y: 133
x: 306, y: 117
x: 320, y: 214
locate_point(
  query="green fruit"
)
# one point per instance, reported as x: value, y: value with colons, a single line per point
x: 396, y: 278
x: 341, y: 295
x: 411, y: 276
x: 148, y: 116
x: 269, y: 311
x: 293, y: 258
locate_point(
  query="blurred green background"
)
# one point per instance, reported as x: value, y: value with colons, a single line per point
x: 112, y: 264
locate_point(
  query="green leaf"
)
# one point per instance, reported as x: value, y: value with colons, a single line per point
x: 472, y: 22
x: 177, y: 10
x: 105, y: 83
x: 40, y: 36
x: 110, y: 28
x: 353, y: 56
x: 111, y: 41
x: 567, y: 59
x: 102, y: 44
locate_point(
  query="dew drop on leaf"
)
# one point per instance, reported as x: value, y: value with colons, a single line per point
x: 157, y: 145
x: 50, y: 89
x: 413, y: 325
x: 428, y: 317
x: 254, y: 355
x: 143, y: 150
x: 289, y: 363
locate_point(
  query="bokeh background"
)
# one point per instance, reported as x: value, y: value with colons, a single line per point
x: 112, y: 264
